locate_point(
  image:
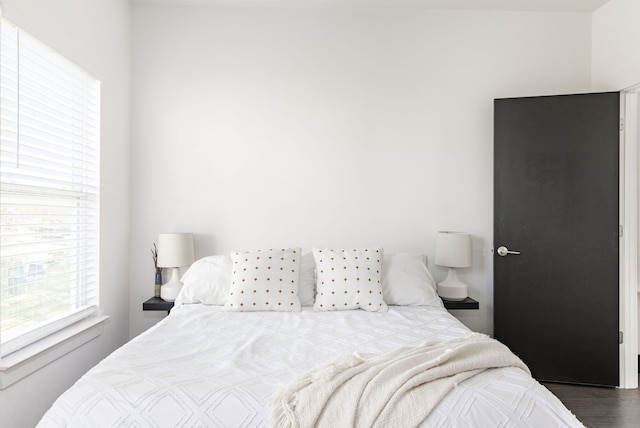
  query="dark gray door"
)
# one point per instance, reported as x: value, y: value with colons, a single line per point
x: 556, y: 202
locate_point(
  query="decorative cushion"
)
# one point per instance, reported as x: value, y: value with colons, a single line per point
x: 349, y: 279
x: 206, y: 281
x: 265, y: 280
x: 406, y: 280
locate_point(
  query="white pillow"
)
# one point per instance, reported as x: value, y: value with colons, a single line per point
x: 406, y: 281
x: 349, y: 279
x: 265, y: 280
x: 206, y: 281
x: 307, y: 285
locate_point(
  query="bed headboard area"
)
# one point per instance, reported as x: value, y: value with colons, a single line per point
x: 367, y: 128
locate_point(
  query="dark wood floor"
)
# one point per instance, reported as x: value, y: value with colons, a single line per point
x: 600, y: 407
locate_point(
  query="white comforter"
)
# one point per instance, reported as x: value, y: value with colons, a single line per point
x: 205, y: 367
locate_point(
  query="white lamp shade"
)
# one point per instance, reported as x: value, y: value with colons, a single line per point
x: 175, y: 250
x: 453, y: 249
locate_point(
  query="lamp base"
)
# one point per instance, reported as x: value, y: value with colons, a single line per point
x: 452, y: 288
x: 169, y: 294
x: 170, y: 290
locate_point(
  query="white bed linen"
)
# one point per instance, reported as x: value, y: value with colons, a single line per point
x: 205, y: 367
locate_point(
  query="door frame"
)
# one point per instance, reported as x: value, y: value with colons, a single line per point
x: 629, y: 199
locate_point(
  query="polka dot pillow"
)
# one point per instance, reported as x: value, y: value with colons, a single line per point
x: 349, y: 279
x: 265, y: 280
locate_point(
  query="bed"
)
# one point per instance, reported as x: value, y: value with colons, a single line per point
x: 208, y: 365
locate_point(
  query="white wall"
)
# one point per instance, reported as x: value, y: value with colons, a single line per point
x: 262, y: 127
x: 96, y: 36
x: 616, y: 50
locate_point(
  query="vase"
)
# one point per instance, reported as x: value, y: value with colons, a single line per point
x: 158, y: 284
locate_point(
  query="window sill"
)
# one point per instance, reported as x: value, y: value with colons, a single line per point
x: 22, y: 363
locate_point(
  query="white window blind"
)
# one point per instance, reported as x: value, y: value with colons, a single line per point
x: 49, y: 190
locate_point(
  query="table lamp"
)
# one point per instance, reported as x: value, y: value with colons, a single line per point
x: 174, y: 251
x: 453, y: 250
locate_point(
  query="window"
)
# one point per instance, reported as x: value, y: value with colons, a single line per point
x: 49, y: 190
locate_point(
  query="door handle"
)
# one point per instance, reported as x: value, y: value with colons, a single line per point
x: 503, y: 251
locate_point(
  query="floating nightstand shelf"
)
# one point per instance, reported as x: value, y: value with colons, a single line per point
x: 157, y: 304
x: 467, y: 303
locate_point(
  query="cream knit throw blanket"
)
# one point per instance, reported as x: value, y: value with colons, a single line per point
x: 395, y: 389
